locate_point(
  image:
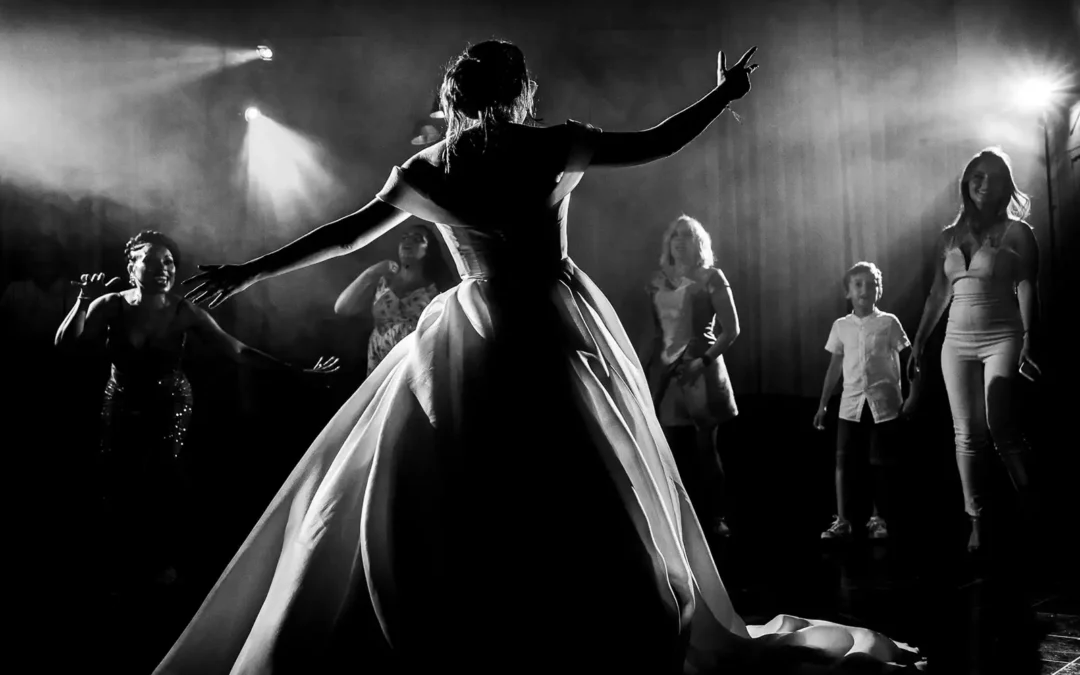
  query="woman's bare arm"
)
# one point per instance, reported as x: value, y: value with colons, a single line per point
x: 1023, y: 241
x: 646, y: 342
x: 355, y: 299
x: 204, y: 325
x: 723, y: 303
x: 87, y: 319
x: 331, y: 240
x: 674, y: 133
x: 217, y: 283
x: 936, y: 302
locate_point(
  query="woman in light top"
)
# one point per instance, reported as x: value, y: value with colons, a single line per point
x: 395, y: 293
x: 695, y: 323
x: 988, y: 279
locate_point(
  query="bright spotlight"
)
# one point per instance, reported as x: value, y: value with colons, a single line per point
x: 1039, y: 93
x: 286, y: 173
x: 1036, y: 93
x: 252, y: 114
x: 265, y: 53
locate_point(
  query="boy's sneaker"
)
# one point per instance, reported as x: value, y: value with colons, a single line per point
x: 840, y: 529
x: 876, y: 528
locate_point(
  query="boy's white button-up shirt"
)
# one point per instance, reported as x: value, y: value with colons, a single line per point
x: 871, y: 348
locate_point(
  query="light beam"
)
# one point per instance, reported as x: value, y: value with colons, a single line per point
x: 285, y: 173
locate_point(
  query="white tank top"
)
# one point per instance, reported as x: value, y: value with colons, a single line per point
x: 674, y: 313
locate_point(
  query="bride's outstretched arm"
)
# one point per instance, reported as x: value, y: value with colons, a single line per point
x: 331, y: 240
x: 674, y: 133
x: 217, y: 283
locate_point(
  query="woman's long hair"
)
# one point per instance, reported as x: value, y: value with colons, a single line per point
x: 701, y: 238
x: 434, y: 266
x: 486, y: 85
x: 1014, y: 203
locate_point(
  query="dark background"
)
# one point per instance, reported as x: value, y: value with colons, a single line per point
x: 116, y: 118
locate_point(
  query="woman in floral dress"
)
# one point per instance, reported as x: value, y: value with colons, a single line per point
x: 402, y: 290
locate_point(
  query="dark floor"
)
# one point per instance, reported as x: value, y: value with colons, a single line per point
x: 966, y: 615
x: 1013, y: 610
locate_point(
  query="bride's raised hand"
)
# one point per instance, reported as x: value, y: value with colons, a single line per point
x: 217, y: 283
x: 735, y: 81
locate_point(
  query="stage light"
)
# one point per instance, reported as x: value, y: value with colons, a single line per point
x: 265, y: 53
x: 1046, y: 94
x: 1036, y: 93
x: 286, y: 173
x: 252, y: 114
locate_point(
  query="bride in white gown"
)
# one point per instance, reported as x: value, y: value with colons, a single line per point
x: 497, y: 496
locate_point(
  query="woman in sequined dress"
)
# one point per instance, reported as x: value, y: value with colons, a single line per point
x: 395, y: 293
x: 147, y: 406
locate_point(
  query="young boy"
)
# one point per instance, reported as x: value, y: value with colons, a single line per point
x: 865, y: 347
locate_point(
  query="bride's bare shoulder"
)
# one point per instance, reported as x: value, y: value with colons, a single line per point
x: 431, y: 157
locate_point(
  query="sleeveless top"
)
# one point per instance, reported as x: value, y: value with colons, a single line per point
x: 984, y: 288
x: 685, y: 317
x: 685, y: 324
x: 395, y: 317
x: 685, y: 321
x: 155, y: 359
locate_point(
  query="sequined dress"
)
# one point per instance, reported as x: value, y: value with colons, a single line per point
x: 145, y: 416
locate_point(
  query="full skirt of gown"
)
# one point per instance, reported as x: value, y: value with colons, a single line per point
x: 497, y: 496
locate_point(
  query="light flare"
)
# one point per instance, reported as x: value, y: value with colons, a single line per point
x: 285, y: 172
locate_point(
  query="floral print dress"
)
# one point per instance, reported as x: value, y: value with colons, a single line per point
x: 395, y: 317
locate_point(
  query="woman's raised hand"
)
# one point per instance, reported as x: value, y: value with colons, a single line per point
x: 93, y: 286
x: 324, y: 366
x: 735, y: 81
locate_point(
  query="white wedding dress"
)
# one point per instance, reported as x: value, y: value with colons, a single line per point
x: 498, y: 495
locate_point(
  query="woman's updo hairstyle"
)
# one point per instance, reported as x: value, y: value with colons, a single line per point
x: 150, y: 238
x: 487, y: 84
